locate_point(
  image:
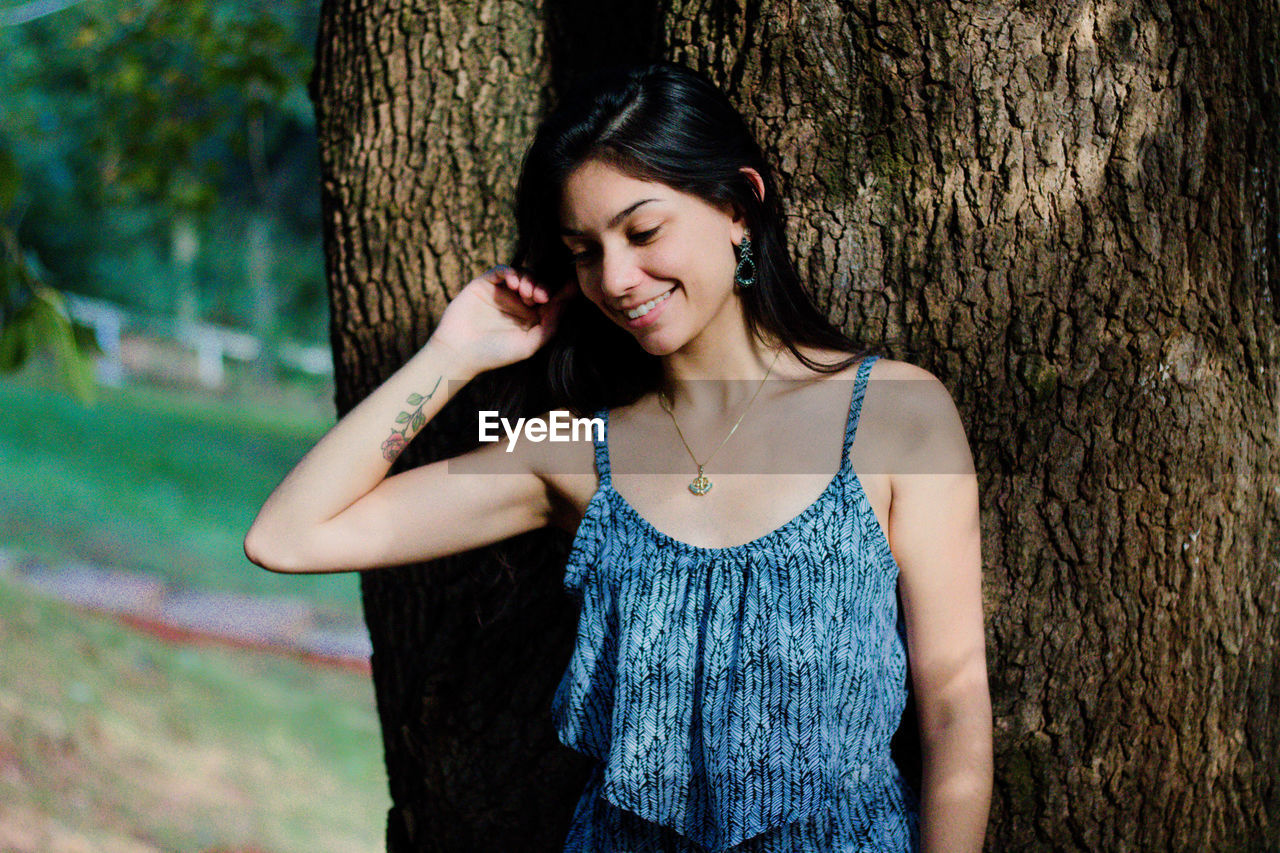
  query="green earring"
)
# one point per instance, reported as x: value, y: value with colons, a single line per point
x: 745, y: 274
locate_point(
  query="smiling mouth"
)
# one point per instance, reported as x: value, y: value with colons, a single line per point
x: 640, y: 310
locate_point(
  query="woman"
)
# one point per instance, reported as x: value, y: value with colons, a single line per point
x: 741, y: 659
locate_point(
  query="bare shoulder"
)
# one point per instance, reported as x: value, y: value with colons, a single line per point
x: 888, y: 368
x: 914, y: 406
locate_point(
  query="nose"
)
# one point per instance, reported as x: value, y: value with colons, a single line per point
x: 618, y: 272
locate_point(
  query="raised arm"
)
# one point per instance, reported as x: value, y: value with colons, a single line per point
x: 338, y: 511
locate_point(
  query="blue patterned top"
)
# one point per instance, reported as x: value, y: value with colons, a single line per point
x: 740, y: 697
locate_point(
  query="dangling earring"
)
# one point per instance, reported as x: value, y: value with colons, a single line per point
x: 745, y: 274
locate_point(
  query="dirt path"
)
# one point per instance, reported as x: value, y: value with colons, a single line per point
x: 283, y: 625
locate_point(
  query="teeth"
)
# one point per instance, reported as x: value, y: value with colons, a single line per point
x: 641, y: 310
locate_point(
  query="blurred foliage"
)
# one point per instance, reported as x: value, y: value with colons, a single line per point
x: 125, y: 125
x: 40, y: 319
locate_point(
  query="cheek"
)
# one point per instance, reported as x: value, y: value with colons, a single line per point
x: 691, y: 252
x: 694, y: 268
x: 673, y: 260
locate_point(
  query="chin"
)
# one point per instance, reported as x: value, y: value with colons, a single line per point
x: 659, y: 345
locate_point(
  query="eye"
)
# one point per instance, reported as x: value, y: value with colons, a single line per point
x: 644, y: 236
x: 582, y: 256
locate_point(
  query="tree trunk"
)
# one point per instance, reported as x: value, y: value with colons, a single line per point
x: 184, y: 247
x: 1067, y: 211
x: 1069, y: 214
x: 258, y: 258
x: 423, y: 111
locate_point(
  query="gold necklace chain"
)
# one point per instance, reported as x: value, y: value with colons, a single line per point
x: 701, y: 484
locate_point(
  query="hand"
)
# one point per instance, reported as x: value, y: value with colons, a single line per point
x: 502, y: 316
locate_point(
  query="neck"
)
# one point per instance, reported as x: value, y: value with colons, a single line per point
x: 719, y: 370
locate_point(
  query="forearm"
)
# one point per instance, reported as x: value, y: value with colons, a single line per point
x: 956, y: 786
x: 355, y: 455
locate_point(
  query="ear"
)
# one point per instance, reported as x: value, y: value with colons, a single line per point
x: 756, y: 181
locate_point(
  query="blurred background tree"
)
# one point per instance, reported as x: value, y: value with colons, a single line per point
x: 158, y: 176
x: 160, y: 155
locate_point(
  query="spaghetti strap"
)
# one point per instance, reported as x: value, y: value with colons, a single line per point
x: 855, y: 402
x: 602, y: 447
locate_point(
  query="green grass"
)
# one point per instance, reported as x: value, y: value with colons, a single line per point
x: 111, y: 739
x: 160, y: 481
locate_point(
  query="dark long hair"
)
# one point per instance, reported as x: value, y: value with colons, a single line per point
x: 666, y: 123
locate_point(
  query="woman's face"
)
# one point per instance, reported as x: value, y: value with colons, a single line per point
x: 658, y: 262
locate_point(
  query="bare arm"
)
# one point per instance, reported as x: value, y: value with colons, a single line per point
x: 337, y: 511
x: 935, y: 537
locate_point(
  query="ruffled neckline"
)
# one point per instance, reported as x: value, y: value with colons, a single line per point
x: 837, y: 480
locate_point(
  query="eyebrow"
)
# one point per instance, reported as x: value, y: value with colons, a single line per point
x: 618, y: 217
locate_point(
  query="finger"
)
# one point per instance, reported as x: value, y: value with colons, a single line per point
x: 551, y: 311
x: 531, y: 290
x: 509, y: 300
x: 497, y: 273
x: 519, y: 285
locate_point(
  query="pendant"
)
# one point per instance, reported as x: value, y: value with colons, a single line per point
x: 700, y: 485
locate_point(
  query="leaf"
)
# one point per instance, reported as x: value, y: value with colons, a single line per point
x: 9, y: 180
x: 402, y: 417
x: 415, y: 399
x: 419, y: 420
x: 17, y: 342
x: 8, y: 284
x: 53, y: 327
x: 84, y: 37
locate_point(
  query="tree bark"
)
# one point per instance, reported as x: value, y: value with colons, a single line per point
x: 1067, y: 211
x: 424, y: 110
